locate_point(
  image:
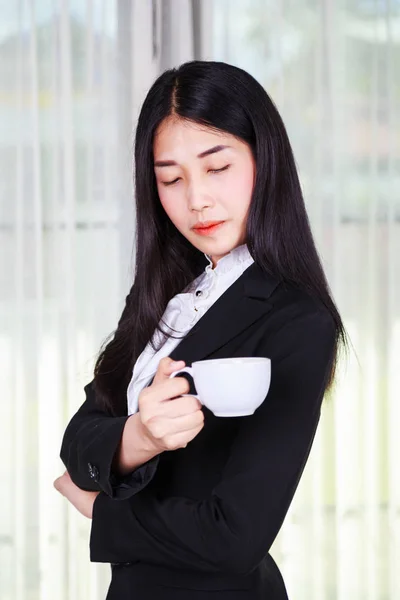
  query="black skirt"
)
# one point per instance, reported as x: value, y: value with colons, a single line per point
x: 140, y: 581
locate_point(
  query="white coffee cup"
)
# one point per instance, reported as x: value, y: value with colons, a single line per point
x: 230, y: 387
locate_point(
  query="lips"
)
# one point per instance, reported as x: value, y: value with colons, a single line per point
x: 206, y: 225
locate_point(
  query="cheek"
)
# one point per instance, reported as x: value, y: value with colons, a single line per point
x: 170, y: 203
x: 238, y: 190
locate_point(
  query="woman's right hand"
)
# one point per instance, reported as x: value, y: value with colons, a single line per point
x: 169, y: 422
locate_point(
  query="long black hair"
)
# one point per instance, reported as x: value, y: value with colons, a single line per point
x: 278, y: 236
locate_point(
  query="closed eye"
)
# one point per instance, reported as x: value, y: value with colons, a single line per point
x: 219, y: 170
x: 209, y: 171
x: 170, y: 182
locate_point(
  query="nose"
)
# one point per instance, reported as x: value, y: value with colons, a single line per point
x: 198, y: 198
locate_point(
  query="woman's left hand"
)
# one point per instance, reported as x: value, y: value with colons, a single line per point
x: 82, y: 500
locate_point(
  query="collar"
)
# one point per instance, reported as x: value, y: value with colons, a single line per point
x: 236, y: 256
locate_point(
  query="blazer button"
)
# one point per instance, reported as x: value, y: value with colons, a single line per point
x: 93, y: 472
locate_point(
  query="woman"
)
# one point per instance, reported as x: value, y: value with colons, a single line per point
x: 185, y: 504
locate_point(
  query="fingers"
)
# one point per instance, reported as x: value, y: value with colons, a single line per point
x: 179, y: 407
x: 166, y: 367
x: 160, y: 427
x: 170, y: 417
x: 175, y: 365
x: 167, y: 389
x: 61, y: 482
x: 181, y: 440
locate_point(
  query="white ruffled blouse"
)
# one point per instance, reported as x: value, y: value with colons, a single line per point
x: 182, y: 313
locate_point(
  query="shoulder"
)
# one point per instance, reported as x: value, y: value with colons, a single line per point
x: 298, y: 322
x: 285, y: 301
x: 290, y: 303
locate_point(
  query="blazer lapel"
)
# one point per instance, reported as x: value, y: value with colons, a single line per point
x: 243, y: 303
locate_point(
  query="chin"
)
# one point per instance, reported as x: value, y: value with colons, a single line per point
x: 219, y: 249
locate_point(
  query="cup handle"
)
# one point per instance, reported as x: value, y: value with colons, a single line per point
x: 185, y: 370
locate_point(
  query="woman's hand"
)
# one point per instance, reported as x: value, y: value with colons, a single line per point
x: 82, y: 500
x: 168, y: 421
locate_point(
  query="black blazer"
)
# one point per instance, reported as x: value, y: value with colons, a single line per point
x: 198, y: 522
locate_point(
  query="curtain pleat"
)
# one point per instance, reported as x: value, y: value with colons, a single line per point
x: 332, y: 69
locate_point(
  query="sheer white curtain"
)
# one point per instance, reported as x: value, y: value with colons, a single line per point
x: 333, y: 67
x: 72, y: 77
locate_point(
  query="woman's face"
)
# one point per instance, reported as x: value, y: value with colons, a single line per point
x: 203, y: 175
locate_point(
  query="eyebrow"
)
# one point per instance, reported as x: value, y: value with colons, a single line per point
x: 171, y: 163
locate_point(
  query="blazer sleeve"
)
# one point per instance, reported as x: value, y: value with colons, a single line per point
x: 233, y: 529
x: 89, y: 444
